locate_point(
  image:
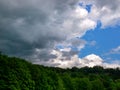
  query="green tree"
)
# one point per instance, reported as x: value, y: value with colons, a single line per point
x: 82, y: 84
x: 97, y: 85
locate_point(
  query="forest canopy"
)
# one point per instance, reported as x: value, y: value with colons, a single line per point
x: 18, y: 74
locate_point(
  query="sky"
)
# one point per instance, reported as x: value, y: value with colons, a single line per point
x: 62, y: 33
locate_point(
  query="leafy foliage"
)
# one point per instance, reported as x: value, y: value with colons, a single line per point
x: 18, y: 74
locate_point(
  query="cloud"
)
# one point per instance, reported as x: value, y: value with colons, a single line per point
x: 89, y: 60
x: 115, y: 50
x: 80, y: 12
x: 95, y: 60
x: 32, y: 29
x: 107, y: 65
x: 27, y: 25
x: 106, y: 11
x: 92, y: 43
x: 92, y: 60
x: 84, y: 24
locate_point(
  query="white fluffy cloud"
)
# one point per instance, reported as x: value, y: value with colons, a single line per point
x: 65, y: 62
x: 107, y: 11
x: 87, y: 24
x: 92, y: 60
x: 80, y: 13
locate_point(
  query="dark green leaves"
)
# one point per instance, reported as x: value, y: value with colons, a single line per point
x: 18, y: 74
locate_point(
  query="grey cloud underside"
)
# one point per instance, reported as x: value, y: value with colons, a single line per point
x: 109, y: 3
x: 27, y: 25
x: 114, y: 5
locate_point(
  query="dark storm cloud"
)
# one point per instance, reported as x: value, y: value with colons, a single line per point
x: 68, y: 55
x: 27, y: 25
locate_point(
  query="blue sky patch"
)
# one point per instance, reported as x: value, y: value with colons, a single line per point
x: 106, y: 39
x: 87, y: 7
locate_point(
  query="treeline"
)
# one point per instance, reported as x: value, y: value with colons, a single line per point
x: 18, y: 74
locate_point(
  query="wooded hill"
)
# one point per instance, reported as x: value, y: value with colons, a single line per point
x: 18, y: 74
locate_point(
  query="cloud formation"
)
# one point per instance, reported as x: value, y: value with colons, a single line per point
x: 30, y: 25
x: 32, y: 29
x: 107, y: 11
x: 65, y: 62
x: 115, y: 50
